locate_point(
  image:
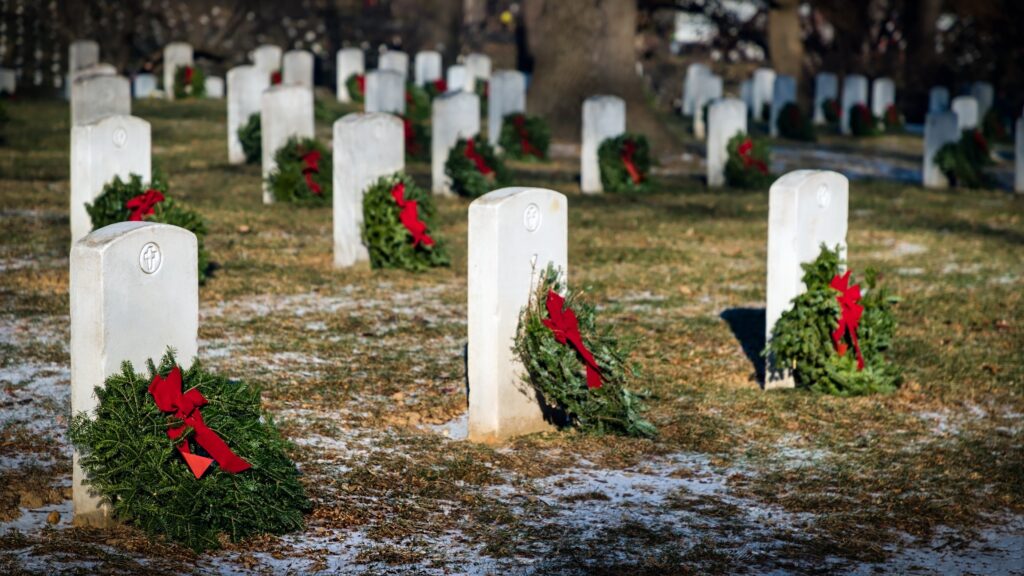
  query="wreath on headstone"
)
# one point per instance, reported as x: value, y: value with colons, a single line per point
x: 436, y: 87
x: 524, y: 137
x: 474, y: 168
x: 792, y: 124
x: 964, y: 161
x: 995, y: 127
x: 892, y: 120
x: 417, y: 140
x: 132, y: 200
x: 862, y: 121
x: 189, y: 456
x: 356, y: 86
x: 834, y: 338
x: 747, y: 166
x: 250, y: 137
x: 577, y: 368
x: 303, y: 174
x: 397, y: 222
x: 624, y: 162
x: 189, y: 82
x: 832, y: 110
x: 417, y: 104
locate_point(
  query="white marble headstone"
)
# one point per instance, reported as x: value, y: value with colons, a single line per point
x: 285, y: 111
x: 984, y: 93
x: 454, y: 115
x: 267, y: 58
x: 883, y: 95
x: 478, y: 67
x: 366, y: 148
x: 855, y: 91
x: 940, y: 128
x: 245, y: 87
x: 692, y: 84
x: 214, y: 87
x: 726, y: 118
x: 134, y: 291
x: 144, y: 85
x: 349, y: 61
x: 805, y: 209
x: 458, y: 78
x: 747, y: 93
x: 95, y: 97
x: 298, y: 68
x: 938, y: 99
x: 8, y: 81
x: 112, y: 146
x: 385, y: 92
x: 506, y: 95
x: 764, y: 83
x: 709, y: 90
x: 783, y: 93
x: 826, y: 87
x: 428, y: 67
x: 603, y: 117
x: 396, y: 61
x: 176, y: 55
x: 514, y: 233
x: 82, y: 54
x: 966, y: 110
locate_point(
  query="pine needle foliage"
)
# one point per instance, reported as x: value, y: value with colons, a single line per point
x: 109, y: 208
x: 556, y: 371
x: 352, y: 84
x: 537, y: 133
x: 794, y: 125
x: 862, y: 121
x: 615, y: 178
x: 801, y: 340
x: 287, y: 182
x: 417, y: 103
x: 196, y: 88
x: 752, y: 173
x: 964, y: 161
x: 388, y: 241
x: 250, y: 136
x: 467, y: 180
x: 133, y: 465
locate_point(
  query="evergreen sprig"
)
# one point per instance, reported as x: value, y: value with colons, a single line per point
x: 133, y: 465
x: 250, y: 136
x: 537, y: 133
x: 964, y: 161
x: 556, y: 371
x: 794, y: 125
x: 862, y: 121
x: 748, y: 174
x: 615, y: 177
x: 832, y: 111
x: 352, y: 84
x: 801, y: 340
x: 892, y: 120
x: 417, y: 139
x: 467, y: 180
x: 196, y: 88
x: 417, y: 103
x: 387, y: 239
x: 287, y: 182
x: 109, y: 208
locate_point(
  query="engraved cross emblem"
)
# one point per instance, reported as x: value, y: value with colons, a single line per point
x: 150, y: 258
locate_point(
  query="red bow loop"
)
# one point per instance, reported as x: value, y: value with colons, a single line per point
x: 185, y: 406
x: 850, y: 312
x: 311, y: 165
x: 565, y: 326
x: 440, y: 86
x: 477, y: 158
x: 188, y: 74
x: 628, y: 150
x: 361, y: 84
x: 519, y: 121
x: 745, y: 149
x: 409, y: 217
x: 143, y: 205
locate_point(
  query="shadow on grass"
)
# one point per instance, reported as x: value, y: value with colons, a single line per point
x: 747, y: 325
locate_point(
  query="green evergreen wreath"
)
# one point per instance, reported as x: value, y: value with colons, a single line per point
x: 964, y: 161
x: 862, y: 121
x: 389, y: 242
x: 611, y: 159
x: 135, y: 467
x: 436, y: 88
x: 110, y: 208
x: 801, y: 340
x: 189, y: 82
x: 749, y: 162
x: 293, y: 182
x: 417, y: 103
x: 557, y: 371
x: 467, y: 179
x: 792, y: 124
x: 892, y: 120
x: 832, y: 111
x: 356, y: 85
x: 417, y: 140
x: 996, y: 128
x: 525, y: 137
x: 251, y: 139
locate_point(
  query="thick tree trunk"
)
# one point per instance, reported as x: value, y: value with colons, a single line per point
x: 919, y: 69
x: 785, y: 47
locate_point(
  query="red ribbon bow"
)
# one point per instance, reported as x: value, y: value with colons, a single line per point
x: 311, y: 160
x: 185, y: 407
x: 566, y: 328
x: 979, y: 139
x: 188, y: 74
x: 143, y: 205
x: 628, y: 150
x: 409, y: 216
x: 477, y: 158
x: 440, y: 86
x: 361, y: 84
x: 745, y: 148
x: 412, y: 147
x: 850, y: 312
x: 524, y: 136
x: 275, y: 77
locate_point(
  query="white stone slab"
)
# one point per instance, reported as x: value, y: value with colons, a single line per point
x: 396, y: 61
x: 747, y: 94
x: 454, y: 115
x: 603, y: 117
x: 96, y: 97
x: 245, y: 87
x: 366, y: 148
x: 478, y: 67
x: 855, y: 91
x: 144, y: 85
x: 458, y: 78
x: 506, y: 94
x: 966, y: 110
x: 783, y: 93
x: 691, y: 85
x: 725, y: 119
x: 1018, y: 178
x: 134, y: 292
x: 267, y: 58
x: 428, y: 67
x: 514, y: 233
x: 8, y: 81
x: 385, y: 92
x: 214, y: 87
x: 984, y: 93
x: 176, y: 55
x: 764, y: 84
x: 883, y: 95
x: 826, y: 87
x: 805, y: 209
x: 298, y: 68
x: 285, y: 111
x: 112, y: 146
x: 349, y: 61
x: 709, y: 90
x: 82, y: 54
x: 940, y: 128
x: 938, y: 99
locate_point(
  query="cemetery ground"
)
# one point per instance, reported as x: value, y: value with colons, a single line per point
x: 364, y: 371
